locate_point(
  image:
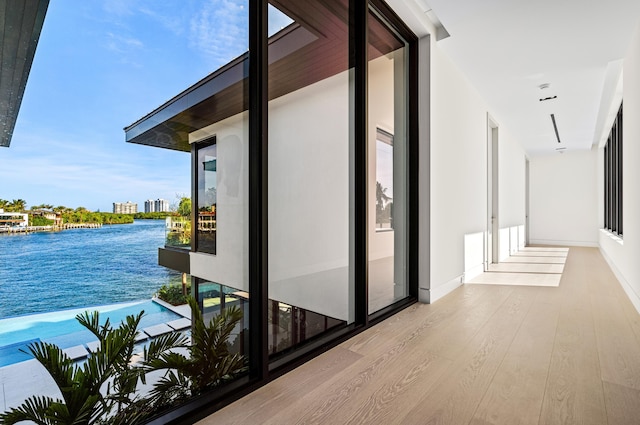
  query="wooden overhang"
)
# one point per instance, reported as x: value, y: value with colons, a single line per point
x: 20, y: 26
x: 314, y: 47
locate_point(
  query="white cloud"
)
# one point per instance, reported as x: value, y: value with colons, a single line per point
x: 219, y: 30
x: 123, y: 44
x: 173, y: 23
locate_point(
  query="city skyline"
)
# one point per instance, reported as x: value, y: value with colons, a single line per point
x: 98, y: 67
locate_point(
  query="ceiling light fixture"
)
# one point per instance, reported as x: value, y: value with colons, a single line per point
x: 555, y: 127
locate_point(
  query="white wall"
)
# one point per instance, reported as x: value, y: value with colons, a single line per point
x: 459, y: 173
x: 564, y: 199
x: 230, y: 265
x: 623, y: 255
x: 309, y: 198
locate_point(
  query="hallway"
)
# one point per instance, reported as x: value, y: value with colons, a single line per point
x: 484, y: 354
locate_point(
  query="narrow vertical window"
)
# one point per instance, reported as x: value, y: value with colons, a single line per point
x: 384, y: 180
x: 613, y: 177
x: 207, y: 175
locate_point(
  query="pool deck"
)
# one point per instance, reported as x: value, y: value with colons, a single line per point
x: 19, y: 381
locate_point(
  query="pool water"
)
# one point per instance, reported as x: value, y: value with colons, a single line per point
x: 62, y: 328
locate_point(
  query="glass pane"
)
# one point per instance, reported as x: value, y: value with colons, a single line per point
x: 387, y: 199
x: 384, y: 180
x: 120, y: 61
x: 309, y: 166
x: 207, y: 176
x: 215, y: 299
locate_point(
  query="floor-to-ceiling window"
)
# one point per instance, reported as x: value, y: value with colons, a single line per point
x: 388, y: 153
x: 309, y: 166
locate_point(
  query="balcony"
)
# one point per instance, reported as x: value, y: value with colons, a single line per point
x: 177, y: 245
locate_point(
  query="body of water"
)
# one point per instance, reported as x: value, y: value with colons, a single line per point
x: 43, y: 272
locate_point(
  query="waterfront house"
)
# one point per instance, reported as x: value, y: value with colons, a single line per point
x: 13, y: 219
x: 492, y: 126
x: 54, y: 216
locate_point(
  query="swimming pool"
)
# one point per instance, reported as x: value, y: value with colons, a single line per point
x: 62, y: 328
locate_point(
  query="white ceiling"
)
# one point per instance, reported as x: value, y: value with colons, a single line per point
x: 508, y: 48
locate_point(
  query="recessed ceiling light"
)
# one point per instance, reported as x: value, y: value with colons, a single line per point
x: 548, y: 98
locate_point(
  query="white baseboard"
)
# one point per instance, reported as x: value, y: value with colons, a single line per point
x: 633, y: 296
x: 473, y: 272
x: 430, y: 296
x: 563, y: 243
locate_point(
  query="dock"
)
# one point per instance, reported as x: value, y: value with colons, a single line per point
x: 50, y: 228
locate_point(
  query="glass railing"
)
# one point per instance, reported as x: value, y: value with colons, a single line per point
x: 178, y: 232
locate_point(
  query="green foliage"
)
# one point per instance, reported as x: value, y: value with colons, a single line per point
x: 109, y: 366
x: 173, y: 294
x: 152, y: 215
x: 37, y: 220
x: 184, y: 207
x: 82, y: 402
x: 81, y: 215
x: 16, y: 205
x: 209, y: 363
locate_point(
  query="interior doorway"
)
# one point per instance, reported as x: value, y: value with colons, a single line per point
x: 526, y: 202
x: 492, y: 247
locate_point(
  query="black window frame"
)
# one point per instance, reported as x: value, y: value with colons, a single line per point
x: 195, y: 167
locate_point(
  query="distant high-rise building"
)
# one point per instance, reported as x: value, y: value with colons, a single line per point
x: 125, y: 208
x: 149, y: 206
x: 161, y: 205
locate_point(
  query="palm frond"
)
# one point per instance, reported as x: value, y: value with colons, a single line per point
x: 32, y: 409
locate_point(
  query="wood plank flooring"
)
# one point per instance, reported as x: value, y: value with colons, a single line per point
x: 484, y: 354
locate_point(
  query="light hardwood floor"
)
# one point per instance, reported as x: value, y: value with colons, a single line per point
x: 484, y: 354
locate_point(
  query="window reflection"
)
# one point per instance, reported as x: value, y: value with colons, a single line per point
x: 207, y: 196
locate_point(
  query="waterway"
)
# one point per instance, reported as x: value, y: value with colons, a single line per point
x: 50, y: 271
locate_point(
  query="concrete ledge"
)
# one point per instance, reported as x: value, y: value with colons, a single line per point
x: 77, y: 352
x: 157, y: 330
x: 93, y: 346
x: 180, y: 324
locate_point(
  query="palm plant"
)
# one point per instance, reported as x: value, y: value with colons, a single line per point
x: 209, y: 361
x: 82, y: 401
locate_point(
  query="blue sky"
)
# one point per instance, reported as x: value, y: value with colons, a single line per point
x: 99, y: 66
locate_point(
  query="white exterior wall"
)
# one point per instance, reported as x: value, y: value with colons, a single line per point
x: 623, y: 255
x: 309, y: 198
x: 564, y: 203
x: 230, y: 265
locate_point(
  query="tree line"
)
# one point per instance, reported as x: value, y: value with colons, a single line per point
x: 76, y: 215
